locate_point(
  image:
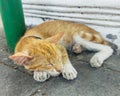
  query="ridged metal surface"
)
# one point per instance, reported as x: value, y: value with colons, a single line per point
x: 103, y: 16
x: 99, y: 15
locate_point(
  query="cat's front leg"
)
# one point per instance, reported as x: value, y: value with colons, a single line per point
x: 41, y: 76
x: 68, y: 71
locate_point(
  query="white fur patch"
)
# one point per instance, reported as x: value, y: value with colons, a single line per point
x: 96, y: 61
x: 103, y: 53
x: 69, y: 72
x: 54, y: 73
x: 41, y: 76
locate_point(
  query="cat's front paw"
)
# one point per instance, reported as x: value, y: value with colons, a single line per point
x: 96, y: 61
x: 69, y: 72
x: 41, y: 76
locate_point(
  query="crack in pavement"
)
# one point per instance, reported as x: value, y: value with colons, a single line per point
x: 38, y: 90
x: 106, y: 67
x: 15, y: 68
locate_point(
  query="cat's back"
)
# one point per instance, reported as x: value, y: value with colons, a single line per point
x: 50, y: 28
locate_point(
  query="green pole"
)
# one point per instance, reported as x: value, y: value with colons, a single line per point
x: 13, y: 21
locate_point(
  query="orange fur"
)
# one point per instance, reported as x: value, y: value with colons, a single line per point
x: 47, y: 53
x: 51, y: 28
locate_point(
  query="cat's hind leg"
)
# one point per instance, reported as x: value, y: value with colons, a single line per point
x: 41, y: 76
x: 103, y: 51
x: 77, y: 48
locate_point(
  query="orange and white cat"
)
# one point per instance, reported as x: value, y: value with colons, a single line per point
x: 43, y: 48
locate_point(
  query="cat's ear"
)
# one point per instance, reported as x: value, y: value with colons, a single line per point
x: 55, y: 38
x: 20, y: 58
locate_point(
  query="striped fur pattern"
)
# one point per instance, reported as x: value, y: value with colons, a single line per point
x: 69, y: 28
x: 48, y: 56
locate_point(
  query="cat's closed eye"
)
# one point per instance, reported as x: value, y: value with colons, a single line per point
x: 49, y: 64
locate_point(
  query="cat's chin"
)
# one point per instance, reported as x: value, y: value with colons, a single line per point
x: 54, y: 73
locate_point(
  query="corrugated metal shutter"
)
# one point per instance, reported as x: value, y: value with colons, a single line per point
x: 102, y: 15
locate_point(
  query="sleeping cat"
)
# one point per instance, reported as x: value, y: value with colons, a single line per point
x: 43, y: 48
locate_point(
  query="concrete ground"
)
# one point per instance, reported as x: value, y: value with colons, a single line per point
x: 16, y: 81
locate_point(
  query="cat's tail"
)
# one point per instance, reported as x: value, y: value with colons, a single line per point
x: 104, y: 42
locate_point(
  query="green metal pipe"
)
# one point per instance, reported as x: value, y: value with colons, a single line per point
x: 13, y: 21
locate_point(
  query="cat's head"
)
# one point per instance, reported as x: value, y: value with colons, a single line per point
x: 41, y: 55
